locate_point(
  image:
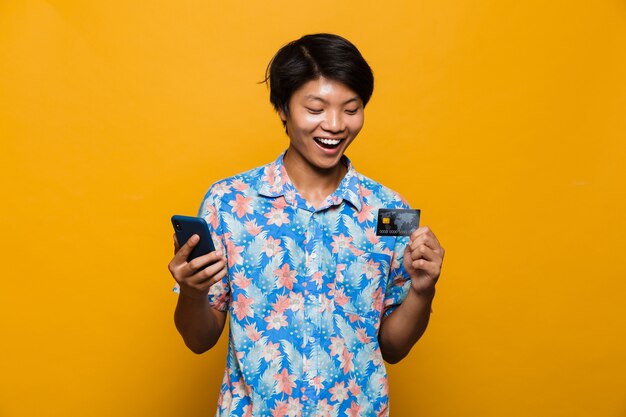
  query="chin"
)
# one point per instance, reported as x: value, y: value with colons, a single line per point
x: 329, y: 165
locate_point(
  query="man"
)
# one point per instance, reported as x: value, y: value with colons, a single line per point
x: 316, y: 299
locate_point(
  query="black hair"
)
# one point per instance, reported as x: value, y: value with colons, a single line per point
x: 314, y: 56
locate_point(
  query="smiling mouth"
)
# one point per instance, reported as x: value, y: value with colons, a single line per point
x: 327, y: 143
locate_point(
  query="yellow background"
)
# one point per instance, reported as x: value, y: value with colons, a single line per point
x: 504, y: 121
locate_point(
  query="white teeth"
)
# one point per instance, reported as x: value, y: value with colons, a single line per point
x: 331, y: 142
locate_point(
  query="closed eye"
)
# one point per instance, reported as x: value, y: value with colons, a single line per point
x: 314, y: 111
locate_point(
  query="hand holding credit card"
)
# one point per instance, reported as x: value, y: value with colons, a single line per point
x: 397, y: 222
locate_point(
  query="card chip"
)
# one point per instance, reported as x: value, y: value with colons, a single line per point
x: 386, y: 220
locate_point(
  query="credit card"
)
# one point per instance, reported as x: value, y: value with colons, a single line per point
x: 397, y: 222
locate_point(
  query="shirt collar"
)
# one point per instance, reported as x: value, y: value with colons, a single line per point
x: 273, y: 181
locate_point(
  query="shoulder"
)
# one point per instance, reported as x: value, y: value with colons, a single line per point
x: 377, y: 194
x: 244, y: 183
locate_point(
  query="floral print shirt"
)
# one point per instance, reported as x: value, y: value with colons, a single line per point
x: 306, y: 290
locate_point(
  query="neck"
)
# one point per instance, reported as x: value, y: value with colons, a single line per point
x: 314, y: 184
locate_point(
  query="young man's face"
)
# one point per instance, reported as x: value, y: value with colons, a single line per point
x: 325, y: 117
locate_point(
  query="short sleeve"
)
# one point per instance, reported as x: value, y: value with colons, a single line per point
x: 399, y: 282
x: 219, y: 294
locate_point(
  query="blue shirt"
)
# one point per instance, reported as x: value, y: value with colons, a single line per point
x: 306, y: 291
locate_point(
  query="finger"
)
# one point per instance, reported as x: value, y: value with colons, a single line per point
x: 419, y: 232
x: 217, y: 272
x: 424, y: 235
x: 176, y: 244
x: 203, y: 261
x: 206, y: 286
x: 197, y: 270
x: 424, y: 240
x: 424, y: 252
x: 433, y: 269
x: 210, y: 275
x: 182, y: 255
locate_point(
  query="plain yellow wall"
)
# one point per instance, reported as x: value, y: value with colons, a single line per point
x: 504, y: 121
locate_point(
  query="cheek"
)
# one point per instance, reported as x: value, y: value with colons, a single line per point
x: 306, y: 124
x: 356, y: 125
x: 309, y: 119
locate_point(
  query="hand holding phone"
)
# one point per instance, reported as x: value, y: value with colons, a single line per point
x: 196, y: 265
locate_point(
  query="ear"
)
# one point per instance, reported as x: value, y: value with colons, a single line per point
x: 282, y: 115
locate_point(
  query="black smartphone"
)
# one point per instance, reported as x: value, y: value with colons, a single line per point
x: 185, y: 227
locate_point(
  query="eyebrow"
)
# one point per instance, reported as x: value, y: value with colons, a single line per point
x: 312, y: 97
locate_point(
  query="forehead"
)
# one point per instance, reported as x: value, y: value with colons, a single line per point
x: 325, y: 90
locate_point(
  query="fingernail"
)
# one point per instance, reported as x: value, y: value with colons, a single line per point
x: 218, y: 252
x: 194, y: 238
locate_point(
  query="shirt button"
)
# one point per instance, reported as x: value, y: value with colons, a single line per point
x: 313, y: 255
x: 312, y: 339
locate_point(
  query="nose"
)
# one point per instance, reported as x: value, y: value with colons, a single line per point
x: 334, y: 122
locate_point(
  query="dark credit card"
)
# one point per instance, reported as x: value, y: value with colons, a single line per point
x: 397, y: 222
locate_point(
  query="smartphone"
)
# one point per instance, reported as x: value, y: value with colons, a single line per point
x: 185, y: 227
